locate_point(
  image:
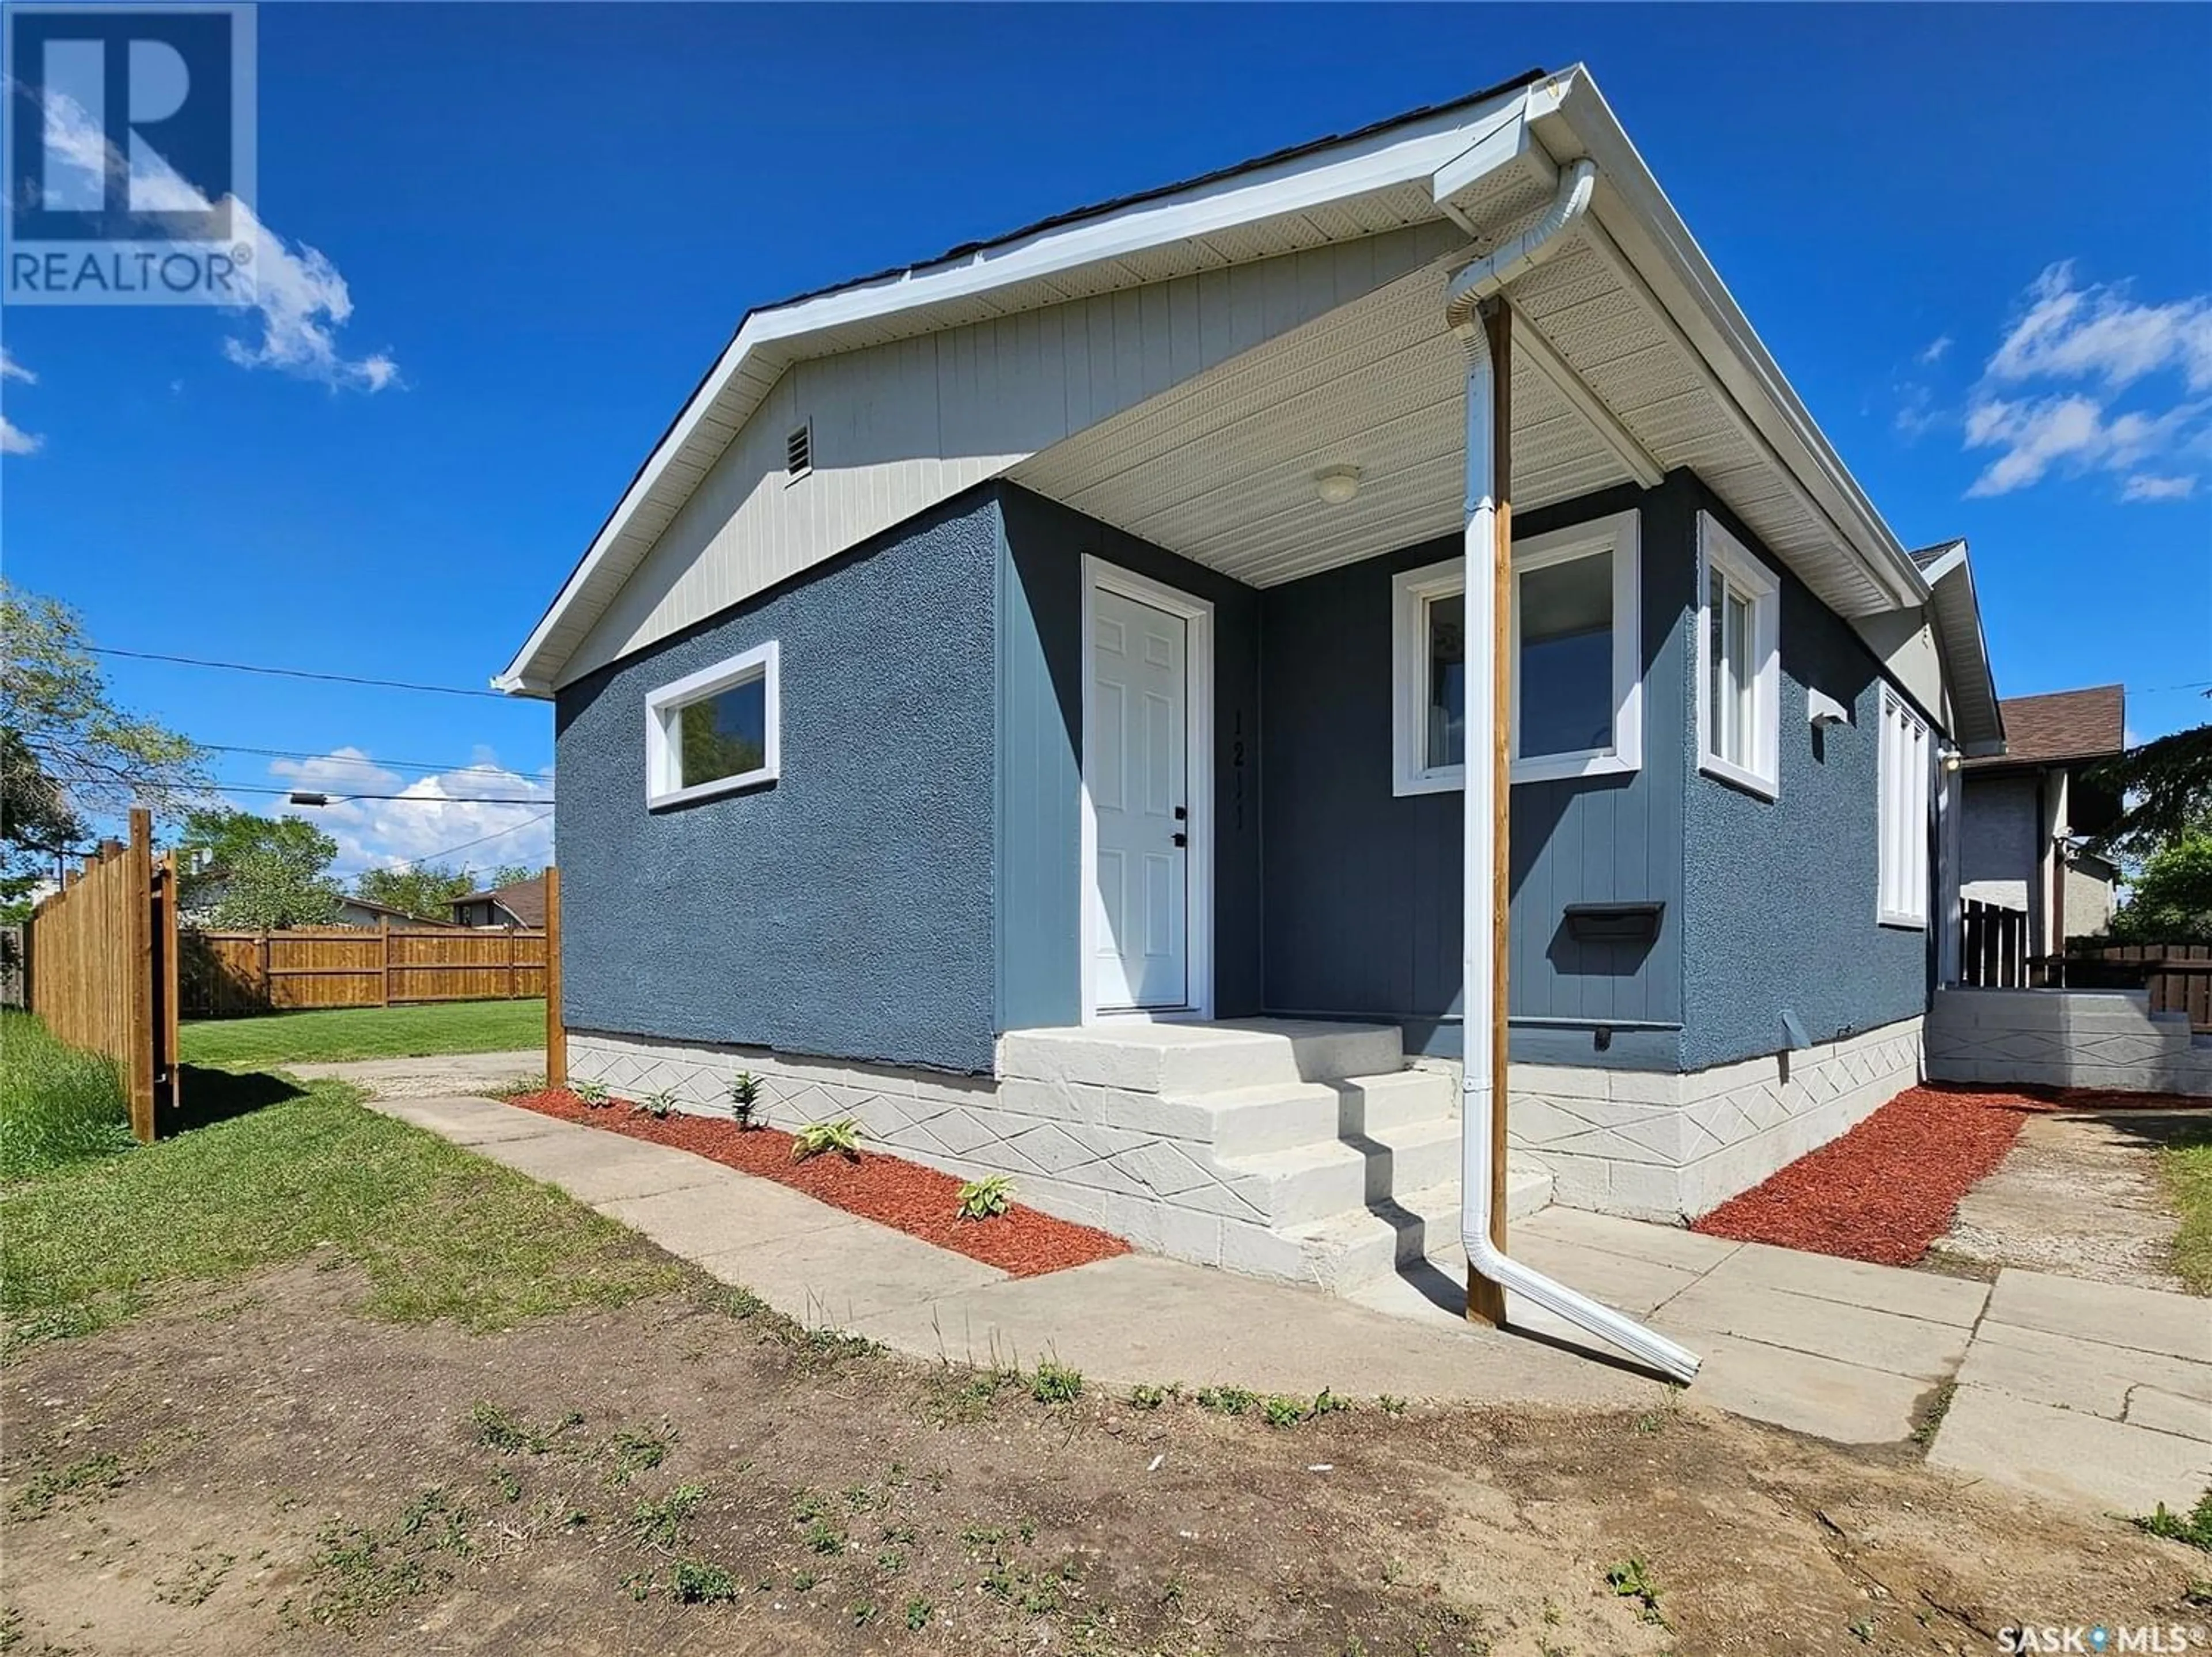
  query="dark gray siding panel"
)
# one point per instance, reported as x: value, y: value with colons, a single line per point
x: 1039, y: 836
x: 845, y: 910
x: 1363, y: 888
x: 1779, y: 898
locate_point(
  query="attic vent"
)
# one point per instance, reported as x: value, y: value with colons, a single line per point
x: 798, y: 451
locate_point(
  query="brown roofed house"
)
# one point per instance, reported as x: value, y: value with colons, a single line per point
x: 522, y: 904
x: 2027, y: 810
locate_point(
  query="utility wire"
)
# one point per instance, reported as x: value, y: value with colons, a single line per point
x: 298, y: 673
x: 340, y: 759
x: 412, y: 799
x: 428, y: 856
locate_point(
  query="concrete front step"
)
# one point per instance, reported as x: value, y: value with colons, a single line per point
x: 1282, y: 1116
x: 1346, y: 1252
x: 1312, y: 1182
x: 1193, y: 1058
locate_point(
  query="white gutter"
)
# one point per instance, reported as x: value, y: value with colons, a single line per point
x: 1467, y: 290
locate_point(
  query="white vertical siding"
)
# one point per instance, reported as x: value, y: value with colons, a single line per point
x: 901, y: 426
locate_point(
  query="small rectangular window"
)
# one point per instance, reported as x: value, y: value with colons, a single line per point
x: 714, y: 731
x: 1739, y: 665
x: 1577, y: 674
x: 1903, y: 791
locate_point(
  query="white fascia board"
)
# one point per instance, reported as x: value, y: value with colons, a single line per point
x: 1652, y: 235
x: 1361, y: 167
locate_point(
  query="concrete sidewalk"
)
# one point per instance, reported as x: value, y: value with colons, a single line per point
x: 2095, y: 1395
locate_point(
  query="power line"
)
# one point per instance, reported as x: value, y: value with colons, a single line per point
x: 412, y: 799
x: 2152, y: 691
x: 428, y: 856
x: 340, y: 759
x: 300, y: 673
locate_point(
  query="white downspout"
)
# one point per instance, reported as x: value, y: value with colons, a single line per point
x: 1467, y: 289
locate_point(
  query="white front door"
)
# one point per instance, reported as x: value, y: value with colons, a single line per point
x: 1136, y: 767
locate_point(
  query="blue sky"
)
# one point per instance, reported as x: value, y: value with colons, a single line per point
x: 1978, y: 240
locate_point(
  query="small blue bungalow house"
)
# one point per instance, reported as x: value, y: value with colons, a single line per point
x: 1021, y: 702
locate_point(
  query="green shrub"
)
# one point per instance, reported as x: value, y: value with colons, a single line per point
x: 986, y: 1199
x: 57, y: 1103
x: 2195, y: 1530
x: 592, y: 1094
x: 744, y: 1097
x: 1055, y: 1383
x: 841, y: 1135
x: 659, y: 1105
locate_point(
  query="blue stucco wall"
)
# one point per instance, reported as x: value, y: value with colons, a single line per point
x: 1363, y: 888
x: 1042, y: 661
x: 1780, y: 895
x: 847, y: 910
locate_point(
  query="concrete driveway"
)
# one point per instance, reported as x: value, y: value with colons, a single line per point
x: 432, y: 1076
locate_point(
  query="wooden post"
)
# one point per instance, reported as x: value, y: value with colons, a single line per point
x: 383, y: 942
x: 557, y: 1034
x: 138, y: 990
x: 167, y: 944
x: 1486, y: 1300
x: 508, y: 990
x: 261, y: 956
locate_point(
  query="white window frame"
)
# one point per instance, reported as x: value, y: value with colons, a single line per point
x: 1412, y: 590
x: 1750, y: 576
x: 664, y: 781
x: 1903, y: 754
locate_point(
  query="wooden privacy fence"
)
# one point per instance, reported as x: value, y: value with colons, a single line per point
x: 1993, y: 951
x: 104, y: 966
x: 231, y: 973
x: 2177, y: 975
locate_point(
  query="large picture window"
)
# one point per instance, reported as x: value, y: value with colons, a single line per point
x: 1739, y: 662
x: 1576, y: 678
x: 714, y: 731
x: 1904, y: 794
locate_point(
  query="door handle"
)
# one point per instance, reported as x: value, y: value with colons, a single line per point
x: 1181, y: 812
x: 1182, y: 840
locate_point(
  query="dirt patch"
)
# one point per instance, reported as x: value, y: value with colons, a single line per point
x: 432, y: 1076
x: 2080, y: 1193
x: 918, y: 1201
x: 265, y: 1469
x: 1887, y: 1189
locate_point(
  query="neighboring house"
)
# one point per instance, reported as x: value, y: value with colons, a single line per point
x: 2028, y: 810
x: 362, y: 912
x: 1009, y: 671
x: 522, y: 904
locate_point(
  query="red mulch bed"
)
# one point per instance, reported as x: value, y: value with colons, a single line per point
x: 918, y: 1201
x: 1888, y: 1188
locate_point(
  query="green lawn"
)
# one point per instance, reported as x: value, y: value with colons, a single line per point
x: 299, y: 1038
x: 442, y: 1234
x: 56, y: 1105
x: 2187, y: 1166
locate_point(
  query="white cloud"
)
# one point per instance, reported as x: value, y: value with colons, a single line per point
x: 1917, y: 414
x: 2048, y: 398
x: 14, y: 440
x: 2146, y: 486
x: 300, y: 298
x: 1936, y: 349
x: 11, y: 370
x: 2098, y: 333
x: 435, y: 818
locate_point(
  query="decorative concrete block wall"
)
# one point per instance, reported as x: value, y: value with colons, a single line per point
x: 1660, y: 1146
x: 2065, y: 1039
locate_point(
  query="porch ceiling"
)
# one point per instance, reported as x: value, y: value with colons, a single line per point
x: 1220, y: 468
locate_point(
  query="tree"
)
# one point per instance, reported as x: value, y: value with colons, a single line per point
x: 55, y: 708
x: 36, y: 827
x: 2171, y: 901
x: 245, y: 870
x: 2166, y: 786
x: 427, y: 892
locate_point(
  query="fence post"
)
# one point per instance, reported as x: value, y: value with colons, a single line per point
x: 556, y: 1032
x: 138, y: 892
x: 384, y: 942
x: 167, y: 944
x: 262, y: 961
x: 507, y: 988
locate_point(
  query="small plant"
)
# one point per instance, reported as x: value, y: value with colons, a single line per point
x: 823, y: 1537
x: 1929, y: 1419
x: 2195, y: 1531
x: 1391, y: 1404
x: 744, y: 1097
x: 815, y: 1138
x: 659, y: 1105
x: 1142, y: 1397
x: 1055, y: 1383
x: 1227, y: 1400
x: 1280, y: 1411
x: 917, y: 1614
x: 594, y: 1094
x: 1632, y: 1580
x: 661, y: 1523
x: 986, y: 1199
x: 696, y: 1582
x: 863, y: 1614
x: 803, y: 1579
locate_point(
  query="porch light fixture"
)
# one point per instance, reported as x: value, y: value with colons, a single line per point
x: 1337, y: 485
